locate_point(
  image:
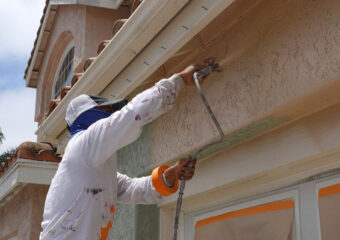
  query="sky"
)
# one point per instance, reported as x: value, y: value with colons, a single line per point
x: 19, y: 22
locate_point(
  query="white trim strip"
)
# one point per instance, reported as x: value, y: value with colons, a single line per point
x: 27, y: 171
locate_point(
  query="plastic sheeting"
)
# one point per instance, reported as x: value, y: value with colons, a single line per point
x: 329, y: 211
x: 263, y: 222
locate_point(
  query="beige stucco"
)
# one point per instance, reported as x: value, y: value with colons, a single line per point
x: 275, y: 57
x: 22, y: 214
x: 87, y: 26
x: 281, y: 74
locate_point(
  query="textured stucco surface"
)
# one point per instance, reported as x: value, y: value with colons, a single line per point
x: 124, y: 224
x: 22, y: 214
x: 271, y: 56
x: 134, y: 159
x: 135, y: 221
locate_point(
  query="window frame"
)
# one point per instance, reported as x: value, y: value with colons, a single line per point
x: 70, y: 45
x: 293, y: 194
x: 306, y: 206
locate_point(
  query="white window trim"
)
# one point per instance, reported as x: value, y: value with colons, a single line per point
x: 309, y: 212
x: 61, y: 60
x: 191, y: 218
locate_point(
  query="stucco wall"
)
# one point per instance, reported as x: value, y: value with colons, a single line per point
x: 137, y: 222
x: 87, y: 26
x: 22, y: 215
x: 272, y: 55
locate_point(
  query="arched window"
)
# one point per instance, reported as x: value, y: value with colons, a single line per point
x: 64, y: 71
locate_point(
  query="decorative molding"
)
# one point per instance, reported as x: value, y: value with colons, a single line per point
x: 25, y: 171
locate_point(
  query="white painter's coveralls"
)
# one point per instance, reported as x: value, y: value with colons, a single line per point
x: 80, y: 202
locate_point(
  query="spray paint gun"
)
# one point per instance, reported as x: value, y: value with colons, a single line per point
x: 212, y: 67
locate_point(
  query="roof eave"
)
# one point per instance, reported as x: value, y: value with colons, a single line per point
x: 31, y: 74
x: 136, y: 52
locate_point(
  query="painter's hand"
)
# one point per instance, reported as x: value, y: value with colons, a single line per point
x: 188, y: 72
x: 182, y: 170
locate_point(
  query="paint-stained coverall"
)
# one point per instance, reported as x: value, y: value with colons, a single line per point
x: 81, y: 201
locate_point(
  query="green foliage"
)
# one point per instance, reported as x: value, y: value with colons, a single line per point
x: 7, y: 154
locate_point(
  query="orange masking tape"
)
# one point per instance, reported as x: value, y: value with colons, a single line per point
x: 248, y: 211
x: 330, y: 190
x: 158, y: 183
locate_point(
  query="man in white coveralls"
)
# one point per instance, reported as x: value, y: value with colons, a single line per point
x: 81, y: 201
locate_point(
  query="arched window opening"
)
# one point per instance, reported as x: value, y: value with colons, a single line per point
x: 64, y: 72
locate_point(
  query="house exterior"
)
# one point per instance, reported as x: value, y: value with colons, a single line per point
x: 276, y: 174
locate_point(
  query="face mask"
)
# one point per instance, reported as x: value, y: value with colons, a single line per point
x: 86, y: 119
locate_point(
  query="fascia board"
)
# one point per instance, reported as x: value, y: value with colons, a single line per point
x: 137, y: 32
x: 111, y: 4
x: 30, y: 70
x: 27, y: 171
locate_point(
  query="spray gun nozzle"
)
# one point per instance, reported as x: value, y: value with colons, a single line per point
x: 212, y: 67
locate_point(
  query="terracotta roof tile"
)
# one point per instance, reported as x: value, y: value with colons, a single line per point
x: 75, y: 78
x: 64, y: 91
x: 32, y: 151
x: 102, y: 45
x: 38, y: 151
x: 118, y: 24
x: 135, y: 4
x: 88, y: 62
x: 53, y: 104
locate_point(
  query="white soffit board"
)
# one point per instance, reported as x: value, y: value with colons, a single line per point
x: 27, y: 171
x: 190, y: 21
